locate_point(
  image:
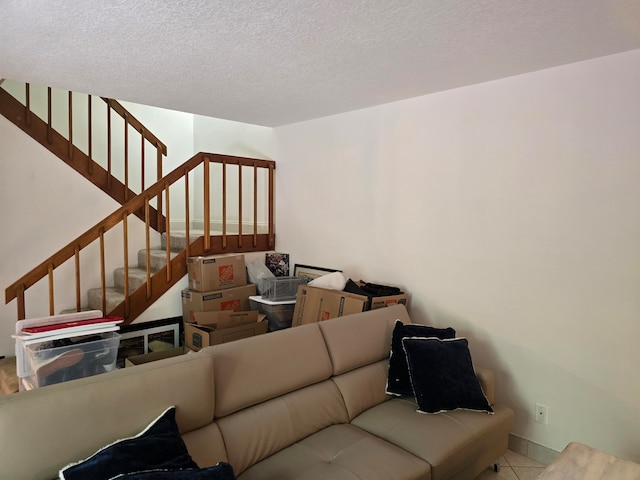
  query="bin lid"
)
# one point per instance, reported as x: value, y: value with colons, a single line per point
x: 259, y: 299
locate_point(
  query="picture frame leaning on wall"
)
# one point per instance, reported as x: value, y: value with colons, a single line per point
x: 309, y: 272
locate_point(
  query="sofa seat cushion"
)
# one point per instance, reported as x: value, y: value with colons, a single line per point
x: 340, y: 452
x: 448, y: 441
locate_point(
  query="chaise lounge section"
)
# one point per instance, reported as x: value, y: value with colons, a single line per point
x: 302, y: 403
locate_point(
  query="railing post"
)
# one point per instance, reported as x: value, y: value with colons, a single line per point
x: 255, y: 204
x: 27, y: 113
x: 224, y: 204
x: 168, y: 233
x: 187, y: 220
x: 70, y: 144
x: 78, y: 298
x: 49, y: 129
x: 207, y: 206
x: 103, y: 276
x: 90, y: 132
x: 142, y: 161
x: 108, y: 147
x: 161, y: 227
x: 125, y: 232
x: 272, y: 239
x: 147, y: 227
x: 240, y: 204
x: 20, y: 302
x: 126, y: 157
x: 51, y: 292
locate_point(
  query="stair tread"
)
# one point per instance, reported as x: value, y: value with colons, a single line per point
x: 109, y: 290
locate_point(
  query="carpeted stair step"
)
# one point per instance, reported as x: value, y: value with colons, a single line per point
x: 137, y: 278
x: 158, y: 258
x: 114, y: 298
x: 73, y: 310
x: 179, y: 239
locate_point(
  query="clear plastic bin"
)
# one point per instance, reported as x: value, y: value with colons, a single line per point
x: 58, y: 361
x: 279, y: 314
x: 279, y: 289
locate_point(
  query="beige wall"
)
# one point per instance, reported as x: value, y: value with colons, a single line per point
x: 509, y: 210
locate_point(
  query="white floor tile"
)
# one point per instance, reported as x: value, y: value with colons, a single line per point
x: 527, y: 473
x: 505, y: 473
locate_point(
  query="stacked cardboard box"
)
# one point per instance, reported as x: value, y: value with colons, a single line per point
x: 216, y: 308
x: 315, y: 304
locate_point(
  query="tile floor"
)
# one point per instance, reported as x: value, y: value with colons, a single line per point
x: 514, y: 466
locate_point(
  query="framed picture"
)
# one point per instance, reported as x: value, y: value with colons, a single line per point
x: 309, y: 272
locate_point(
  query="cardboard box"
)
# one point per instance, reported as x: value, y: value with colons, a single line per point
x: 379, y: 302
x: 153, y: 356
x: 234, y: 299
x: 216, y: 272
x: 197, y: 336
x: 315, y: 304
x: 224, y: 319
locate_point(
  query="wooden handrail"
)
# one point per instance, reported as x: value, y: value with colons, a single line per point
x: 135, y: 123
x: 141, y: 202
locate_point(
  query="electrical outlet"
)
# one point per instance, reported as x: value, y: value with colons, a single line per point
x: 542, y: 413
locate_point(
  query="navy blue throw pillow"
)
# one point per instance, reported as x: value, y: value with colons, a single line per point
x: 222, y: 471
x: 398, y: 381
x: 443, y: 376
x: 157, y: 447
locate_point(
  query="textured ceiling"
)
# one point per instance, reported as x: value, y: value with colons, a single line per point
x: 274, y: 62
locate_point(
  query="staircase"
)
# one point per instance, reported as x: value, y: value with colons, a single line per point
x: 241, y: 209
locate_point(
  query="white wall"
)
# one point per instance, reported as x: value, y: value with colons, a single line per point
x: 509, y: 210
x: 214, y: 135
x: 37, y: 194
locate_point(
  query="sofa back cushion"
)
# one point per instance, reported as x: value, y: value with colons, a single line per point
x: 363, y: 387
x: 257, y: 369
x: 259, y: 431
x: 72, y: 420
x: 362, y: 338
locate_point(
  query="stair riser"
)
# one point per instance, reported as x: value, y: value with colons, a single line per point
x: 158, y: 259
x: 178, y: 242
x: 114, y: 299
x: 137, y: 278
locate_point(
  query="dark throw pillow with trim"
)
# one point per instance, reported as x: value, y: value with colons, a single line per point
x: 222, y: 471
x: 157, y: 447
x: 398, y: 382
x: 442, y: 375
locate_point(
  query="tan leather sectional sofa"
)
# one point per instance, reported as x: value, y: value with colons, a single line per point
x: 303, y: 403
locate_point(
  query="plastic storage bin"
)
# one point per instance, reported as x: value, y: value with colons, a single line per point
x: 278, y: 289
x: 279, y: 314
x: 56, y: 361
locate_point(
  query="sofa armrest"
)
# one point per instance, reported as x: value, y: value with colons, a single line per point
x: 487, y: 381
